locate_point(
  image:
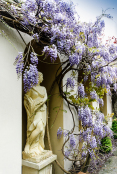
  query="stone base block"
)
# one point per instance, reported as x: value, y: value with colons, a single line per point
x: 44, y: 167
x: 46, y: 170
x: 45, y: 154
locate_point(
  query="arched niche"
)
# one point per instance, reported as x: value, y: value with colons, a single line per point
x: 49, y: 71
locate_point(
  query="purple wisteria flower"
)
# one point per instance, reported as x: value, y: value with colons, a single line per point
x: 102, y: 24
x: 93, y: 95
x: 107, y: 131
x: 67, y: 152
x: 13, y: 8
x: 51, y: 51
x: 59, y: 18
x: 88, y: 138
x: 108, y: 16
x: 98, y: 130
x: 99, y: 116
x: 81, y: 91
x: 33, y: 58
x: 81, y: 113
x: 85, y: 78
x: 72, y: 141
x: 29, y: 5
x: 84, y: 154
x: 91, y: 152
x: 88, y: 68
x: 70, y: 82
x: 19, y: 64
x: 74, y: 59
x: 86, y: 135
x: 93, y: 142
x: 87, y: 119
x: 30, y: 77
x: 65, y: 133
x: 36, y: 37
x: 101, y: 102
x: 98, y: 81
x: 85, y: 116
x: 31, y: 19
x: 112, y: 49
x: 29, y: 10
x: 59, y: 132
x: 109, y: 80
x: 104, y: 79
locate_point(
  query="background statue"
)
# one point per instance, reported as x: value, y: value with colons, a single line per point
x: 34, y: 102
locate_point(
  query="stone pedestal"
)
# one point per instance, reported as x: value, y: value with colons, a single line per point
x: 37, y: 159
x: 44, y: 167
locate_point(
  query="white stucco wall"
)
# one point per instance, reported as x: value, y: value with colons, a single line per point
x: 10, y: 103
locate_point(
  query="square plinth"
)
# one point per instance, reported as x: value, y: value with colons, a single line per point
x: 37, y: 159
x: 44, y: 167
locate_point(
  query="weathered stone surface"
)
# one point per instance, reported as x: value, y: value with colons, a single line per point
x: 110, y: 166
x: 115, y: 153
x: 43, y: 167
x: 36, y: 159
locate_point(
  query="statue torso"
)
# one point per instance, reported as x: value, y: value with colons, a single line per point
x: 37, y: 91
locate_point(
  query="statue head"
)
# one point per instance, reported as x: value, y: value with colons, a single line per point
x: 40, y: 77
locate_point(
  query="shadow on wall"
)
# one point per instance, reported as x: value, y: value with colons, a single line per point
x: 49, y: 72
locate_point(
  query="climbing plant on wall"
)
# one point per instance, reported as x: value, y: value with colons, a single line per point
x: 55, y: 24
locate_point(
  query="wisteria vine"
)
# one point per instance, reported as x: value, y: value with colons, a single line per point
x: 54, y: 22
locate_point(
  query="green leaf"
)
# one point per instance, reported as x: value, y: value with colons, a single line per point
x: 64, y: 110
x: 49, y: 96
x: 56, y: 107
x: 92, y: 100
x: 90, y: 106
x: 67, y: 93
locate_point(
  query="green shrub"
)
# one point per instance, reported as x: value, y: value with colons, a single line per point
x: 106, y: 145
x: 114, y: 128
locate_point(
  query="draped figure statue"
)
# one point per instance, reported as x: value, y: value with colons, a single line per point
x: 34, y: 102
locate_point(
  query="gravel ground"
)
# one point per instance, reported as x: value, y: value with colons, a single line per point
x: 95, y: 168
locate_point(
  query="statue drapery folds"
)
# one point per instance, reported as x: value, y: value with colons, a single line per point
x: 34, y: 102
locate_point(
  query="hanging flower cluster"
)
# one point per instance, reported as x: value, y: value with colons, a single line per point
x: 30, y: 77
x: 19, y: 62
x: 70, y: 82
x: 51, y: 51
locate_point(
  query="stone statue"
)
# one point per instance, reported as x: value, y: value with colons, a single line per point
x: 34, y: 102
